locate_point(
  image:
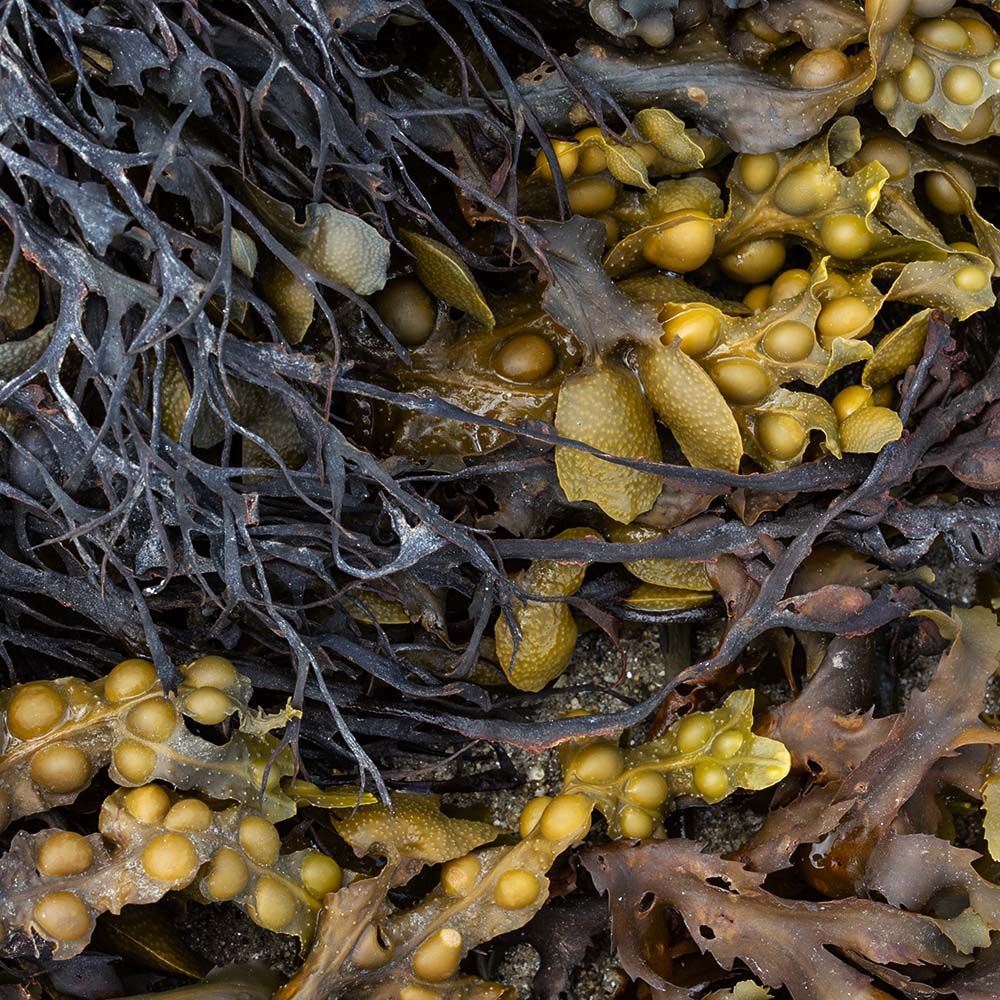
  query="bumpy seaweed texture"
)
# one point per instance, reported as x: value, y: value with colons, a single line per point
x: 860, y: 834
x: 368, y: 948
x: 59, y: 734
x: 57, y: 882
x: 387, y: 352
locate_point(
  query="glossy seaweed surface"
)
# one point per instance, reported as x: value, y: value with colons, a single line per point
x: 499, y: 500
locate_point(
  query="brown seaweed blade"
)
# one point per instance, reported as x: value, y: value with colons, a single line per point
x: 731, y: 916
x: 193, y: 458
x: 845, y: 821
x: 366, y: 947
x: 698, y: 79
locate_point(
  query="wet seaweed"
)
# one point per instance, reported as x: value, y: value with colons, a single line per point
x: 217, y: 436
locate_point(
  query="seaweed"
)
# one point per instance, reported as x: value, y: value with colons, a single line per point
x: 362, y: 364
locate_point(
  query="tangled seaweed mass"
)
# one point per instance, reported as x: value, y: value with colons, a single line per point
x: 499, y: 500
